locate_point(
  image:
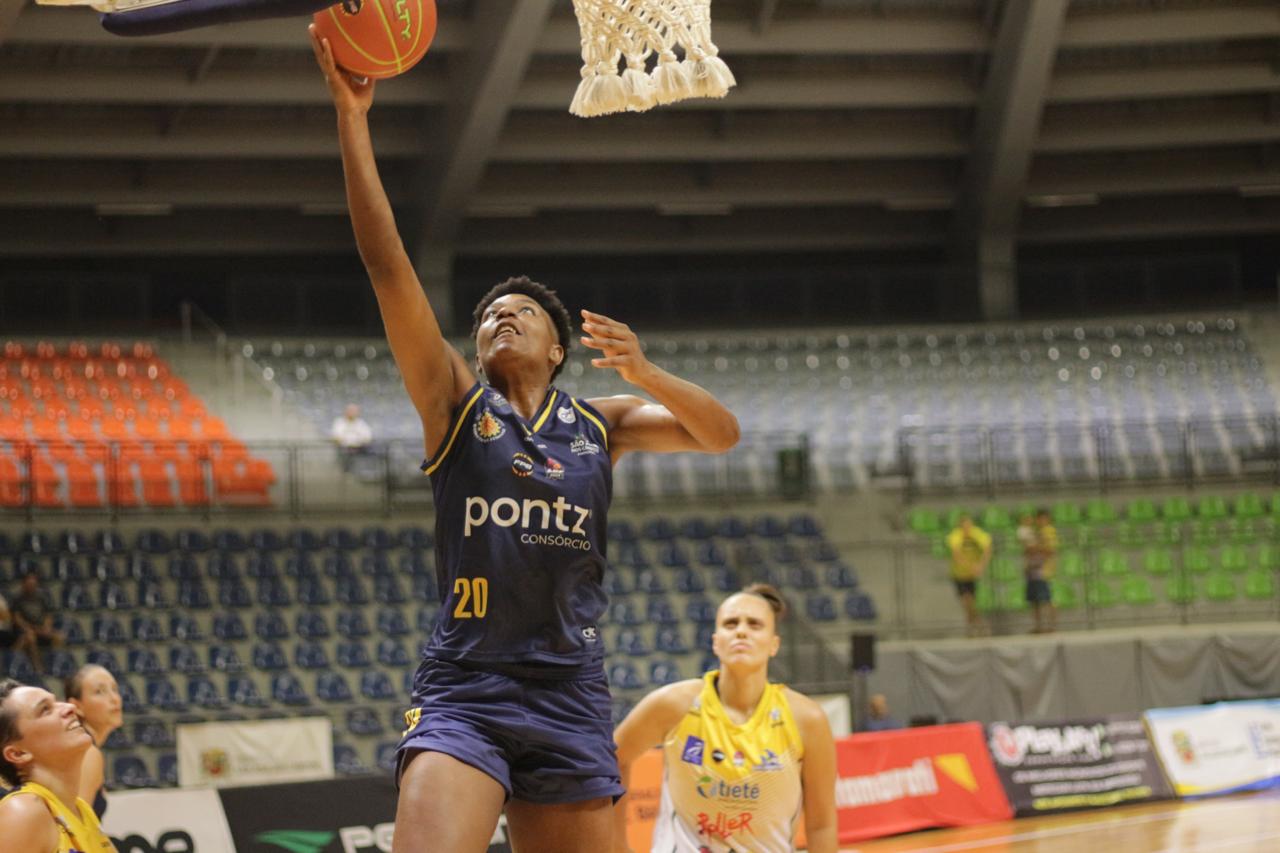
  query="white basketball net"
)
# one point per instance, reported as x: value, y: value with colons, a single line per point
x: 635, y: 30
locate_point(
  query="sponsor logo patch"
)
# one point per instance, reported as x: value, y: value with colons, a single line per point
x: 692, y: 752
x: 566, y: 415
x: 581, y: 447
x: 487, y: 427
x: 522, y: 465
x: 554, y: 470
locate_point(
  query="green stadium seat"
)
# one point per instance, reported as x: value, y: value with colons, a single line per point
x: 1266, y: 527
x: 1086, y: 535
x: 1248, y: 505
x: 1065, y: 596
x: 1212, y: 507
x: 1198, y: 560
x: 1067, y: 513
x: 1013, y: 597
x: 1202, y: 532
x: 1259, y: 585
x: 1234, y: 558
x: 1112, y: 562
x: 1129, y: 534
x: 984, y: 597
x: 1180, y: 590
x: 1242, y: 531
x: 924, y: 521
x: 1176, y: 509
x: 996, y: 518
x: 1005, y: 568
x: 1072, y: 564
x: 1268, y: 557
x: 953, y: 516
x: 1219, y: 587
x: 1141, y: 511
x: 938, y: 547
x: 1167, y: 532
x: 1136, y: 591
x: 1274, y: 504
x: 1100, y: 594
x: 1099, y: 511
x: 1157, y: 561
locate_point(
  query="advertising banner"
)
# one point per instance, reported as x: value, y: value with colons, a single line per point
x: 1080, y: 764
x: 255, y: 753
x: 899, y: 781
x: 167, y: 822
x: 353, y: 815
x: 1215, y: 749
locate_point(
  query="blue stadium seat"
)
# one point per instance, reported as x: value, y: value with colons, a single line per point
x: 145, y: 629
x: 108, y: 630
x: 351, y: 624
x: 163, y: 695
x: 273, y: 593
x: 341, y: 539
x: 352, y: 655
x: 349, y: 590
x: 270, y: 626
x: 117, y: 740
x: 69, y: 569
x: 185, y: 660
x: 75, y: 597
x: 167, y: 769
x: 696, y: 528
x: 20, y: 668
x: 300, y: 565
x: 152, y: 542
x: 392, y: 653
x: 709, y: 662
x: 375, y: 685
x: 183, y: 567
x: 662, y: 672
x: 223, y: 658
x: 699, y: 610
x: 803, y: 524
x: 108, y: 541
x: 819, y: 607
x: 673, y: 556
x: 621, y: 530
x: 386, y: 755
x: 725, y: 579
x: 339, y: 565
x: 229, y: 627
x: 269, y: 657
x: 377, y: 565
x: 731, y: 527
x: 801, y: 578
x: 391, y: 623
x: 130, y: 771
x: 311, y: 625
x: 346, y: 762
x: 623, y: 676
x: 60, y: 664
x: 261, y: 566
x: 617, y: 583
x: 426, y: 620
x: 840, y: 576
x: 233, y: 593
x: 767, y: 574
x: 363, y: 722
x: 689, y: 581
x: 310, y: 655
x: 669, y: 640
x: 659, y: 528
x: 769, y: 527
x: 313, y: 592
x: 137, y: 566
x: 333, y: 687
x: 631, y: 642
x: 859, y: 606
x: 414, y: 563
x: 265, y: 539
x: 424, y: 588
x: 822, y: 551
x: 415, y: 538
x: 202, y: 693
x: 710, y: 554
x: 153, y: 733
x: 303, y: 539
x: 243, y: 691
x: 151, y: 595
x: 619, y: 708
x: 184, y: 628
x: 624, y: 613
x: 223, y: 566
x: 386, y: 590
x: 130, y: 701
x: 660, y: 612
x: 650, y: 581
x: 287, y: 690
x: 702, y: 636
x: 72, y: 630
x: 112, y: 596
x: 144, y: 662
x: 192, y: 595
x: 229, y: 541
x: 377, y: 538
x: 192, y: 541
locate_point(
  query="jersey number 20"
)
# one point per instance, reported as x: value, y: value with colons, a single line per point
x: 473, y: 598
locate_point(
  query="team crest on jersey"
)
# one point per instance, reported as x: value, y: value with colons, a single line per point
x: 775, y: 718
x: 692, y: 752
x: 768, y: 762
x: 487, y: 427
x: 522, y: 464
x: 555, y: 471
x: 581, y: 447
x: 738, y: 758
x: 566, y: 415
x: 498, y: 401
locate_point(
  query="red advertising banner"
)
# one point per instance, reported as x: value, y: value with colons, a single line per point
x: 899, y: 781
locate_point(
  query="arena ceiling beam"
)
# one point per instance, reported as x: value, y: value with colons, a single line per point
x: 1007, y: 123
x: 1169, y: 26
x: 504, y: 33
x: 9, y: 12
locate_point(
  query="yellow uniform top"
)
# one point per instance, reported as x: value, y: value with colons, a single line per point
x: 76, y: 833
x: 966, y: 551
x: 730, y: 788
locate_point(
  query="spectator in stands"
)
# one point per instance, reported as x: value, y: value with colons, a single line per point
x: 878, y: 719
x: 11, y: 636
x: 1041, y: 557
x: 96, y: 697
x: 970, y: 548
x: 42, y: 747
x: 352, y: 434
x: 33, y: 613
x: 731, y: 727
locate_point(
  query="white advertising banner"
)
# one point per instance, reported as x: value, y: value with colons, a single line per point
x: 1215, y: 749
x: 836, y: 706
x: 262, y: 752
x: 168, y: 822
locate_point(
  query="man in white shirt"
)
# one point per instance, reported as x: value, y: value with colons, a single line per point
x: 352, y: 434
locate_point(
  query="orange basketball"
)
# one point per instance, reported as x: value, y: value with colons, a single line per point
x: 378, y: 38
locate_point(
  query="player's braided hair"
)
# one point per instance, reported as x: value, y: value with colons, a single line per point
x: 539, y: 293
x: 771, y: 595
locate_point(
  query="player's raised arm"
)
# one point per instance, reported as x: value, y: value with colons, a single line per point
x: 685, y: 416
x: 435, y: 375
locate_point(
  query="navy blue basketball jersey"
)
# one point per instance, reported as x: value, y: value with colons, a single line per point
x: 521, y: 515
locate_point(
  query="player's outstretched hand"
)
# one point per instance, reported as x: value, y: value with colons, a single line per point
x: 354, y: 94
x: 618, y: 344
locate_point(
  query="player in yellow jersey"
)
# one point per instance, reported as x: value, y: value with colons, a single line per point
x: 743, y: 758
x: 42, y: 748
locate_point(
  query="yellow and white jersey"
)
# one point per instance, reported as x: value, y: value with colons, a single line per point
x: 79, y: 831
x: 729, y: 788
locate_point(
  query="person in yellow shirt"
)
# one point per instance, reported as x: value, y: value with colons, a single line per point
x: 743, y: 758
x: 970, y: 548
x: 42, y: 748
x: 1041, y: 564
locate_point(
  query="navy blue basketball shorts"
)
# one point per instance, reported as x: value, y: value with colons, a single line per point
x: 544, y: 740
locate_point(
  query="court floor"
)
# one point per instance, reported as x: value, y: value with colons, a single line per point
x: 1245, y: 823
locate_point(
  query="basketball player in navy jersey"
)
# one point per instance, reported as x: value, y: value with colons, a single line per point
x: 510, y: 704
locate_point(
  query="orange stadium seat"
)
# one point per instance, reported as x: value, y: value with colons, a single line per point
x: 45, y: 481
x: 157, y: 489
x: 10, y: 482
x: 82, y: 483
